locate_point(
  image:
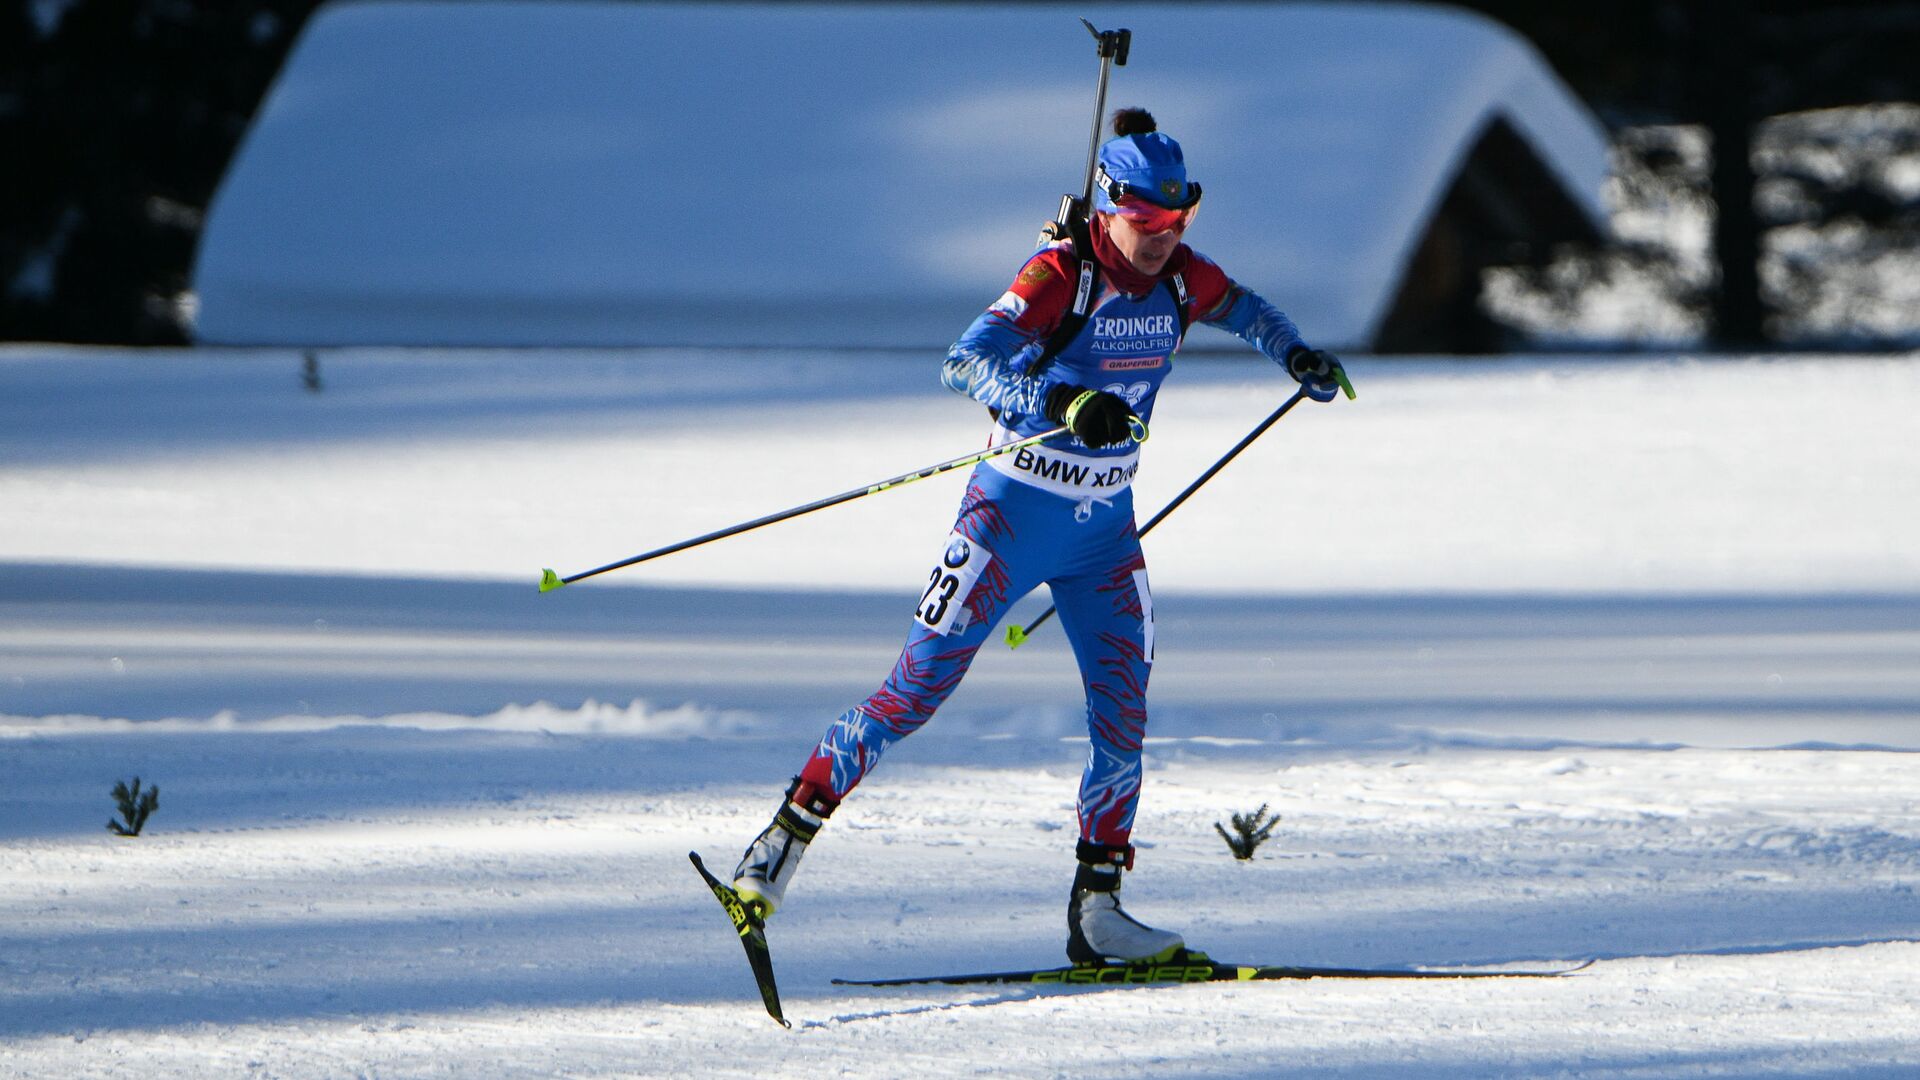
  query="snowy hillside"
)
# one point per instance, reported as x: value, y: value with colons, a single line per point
x: 1539, y: 660
x: 588, y: 173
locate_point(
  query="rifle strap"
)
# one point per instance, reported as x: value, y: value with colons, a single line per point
x: 1087, y: 290
x: 1075, y: 319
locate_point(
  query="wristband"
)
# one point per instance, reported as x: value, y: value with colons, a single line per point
x: 1074, y: 406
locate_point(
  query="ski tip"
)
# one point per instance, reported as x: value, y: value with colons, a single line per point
x: 549, y: 581
x: 1016, y: 636
x: 1340, y: 376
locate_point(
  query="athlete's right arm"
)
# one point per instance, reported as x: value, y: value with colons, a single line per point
x: 991, y: 362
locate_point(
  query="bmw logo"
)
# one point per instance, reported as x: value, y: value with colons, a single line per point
x: 958, y: 552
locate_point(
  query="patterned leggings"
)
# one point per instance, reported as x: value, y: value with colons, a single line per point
x: 1088, y: 553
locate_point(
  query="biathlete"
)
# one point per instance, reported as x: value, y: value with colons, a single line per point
x: 1059, y: 514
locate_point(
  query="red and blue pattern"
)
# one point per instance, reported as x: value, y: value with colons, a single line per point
x: 1093, y: 569
x: 1084, y: 549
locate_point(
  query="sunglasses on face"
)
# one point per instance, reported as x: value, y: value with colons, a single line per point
x: 1150, y: 220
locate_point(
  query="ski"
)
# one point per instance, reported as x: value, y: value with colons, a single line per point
x: 1195, y: 967
x: 753, y: 937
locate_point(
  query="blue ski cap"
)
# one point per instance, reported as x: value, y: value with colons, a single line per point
x: 1150, y: 166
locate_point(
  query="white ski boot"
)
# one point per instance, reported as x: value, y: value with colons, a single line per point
x: 771, y: 860
x: 1098, y: 929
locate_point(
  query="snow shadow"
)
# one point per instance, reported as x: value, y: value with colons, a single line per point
x: 649, y: 953
x: 313, y: 968
x: 1714, y: 669
x: 103, y: 406
x: 1500, y: 1064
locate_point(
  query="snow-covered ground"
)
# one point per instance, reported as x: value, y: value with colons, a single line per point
x: 1538, y: 659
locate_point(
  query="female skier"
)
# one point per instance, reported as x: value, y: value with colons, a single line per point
x: 1060, y: 514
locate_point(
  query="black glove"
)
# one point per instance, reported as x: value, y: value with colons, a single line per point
x: 1315, y: 370
x: 1097, y: 417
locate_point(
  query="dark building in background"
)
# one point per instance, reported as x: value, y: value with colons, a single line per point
x: 1503, y: 206
x: 118, y: 118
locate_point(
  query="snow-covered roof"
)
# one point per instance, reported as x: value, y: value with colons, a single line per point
x: 500, y: 173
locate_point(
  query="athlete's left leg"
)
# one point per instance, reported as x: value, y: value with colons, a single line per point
x: 1107, y: 612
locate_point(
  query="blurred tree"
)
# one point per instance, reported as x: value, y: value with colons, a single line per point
x: 1728, y: 66
x: 119, y: 117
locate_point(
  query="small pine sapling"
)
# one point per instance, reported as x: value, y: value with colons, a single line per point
x: 135, y: 806
x: 1249, y: 831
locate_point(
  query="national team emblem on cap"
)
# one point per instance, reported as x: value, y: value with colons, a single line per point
x: 1170, y: 188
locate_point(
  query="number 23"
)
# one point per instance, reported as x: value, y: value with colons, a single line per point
x: 946, y: 585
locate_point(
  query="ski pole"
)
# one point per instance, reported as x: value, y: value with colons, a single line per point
x: 1017, y: 635
x: 550, y: 581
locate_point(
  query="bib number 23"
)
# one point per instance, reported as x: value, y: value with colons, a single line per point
x: 943, y: 605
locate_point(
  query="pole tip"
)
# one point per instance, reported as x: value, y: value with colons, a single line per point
x: 549, y: 581
x: 1016, y: 636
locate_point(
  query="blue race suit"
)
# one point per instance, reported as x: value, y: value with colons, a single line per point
x: 1059, y: 514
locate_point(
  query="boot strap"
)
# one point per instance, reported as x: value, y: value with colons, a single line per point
x: 1093, y: 854
x: 790, y: 819
x: 812, y: 798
